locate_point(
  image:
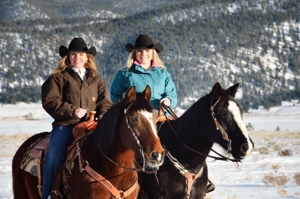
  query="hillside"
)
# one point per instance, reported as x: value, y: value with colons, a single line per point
x: 256, y: 43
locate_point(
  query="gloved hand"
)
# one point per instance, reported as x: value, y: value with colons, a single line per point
x: 166, y: 101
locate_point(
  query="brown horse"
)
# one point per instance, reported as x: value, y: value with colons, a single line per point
x: 105, y: 164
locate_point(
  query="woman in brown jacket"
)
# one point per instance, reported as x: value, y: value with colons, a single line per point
x: 68, y: 95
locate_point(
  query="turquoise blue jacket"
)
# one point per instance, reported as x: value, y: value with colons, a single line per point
x: 158, y: 79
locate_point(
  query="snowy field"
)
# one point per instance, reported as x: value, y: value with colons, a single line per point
x: 272, y: 170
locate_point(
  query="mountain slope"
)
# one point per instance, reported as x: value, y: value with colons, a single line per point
x: 255, y: 43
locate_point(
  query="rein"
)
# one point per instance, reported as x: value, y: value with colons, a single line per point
x: 118, y: 194
x: 218, y: 126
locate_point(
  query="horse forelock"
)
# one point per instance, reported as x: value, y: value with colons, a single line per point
x: 141, y: 103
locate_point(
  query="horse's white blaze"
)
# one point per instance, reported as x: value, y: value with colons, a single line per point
x: 149, y: 117
x: 234, y: 109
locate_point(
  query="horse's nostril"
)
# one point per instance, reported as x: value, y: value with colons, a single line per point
x: 244, y: 148
x: 154, y: 156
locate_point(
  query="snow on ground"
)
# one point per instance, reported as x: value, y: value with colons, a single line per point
x: 276, y: 156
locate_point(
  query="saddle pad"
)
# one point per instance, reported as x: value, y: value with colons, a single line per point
x: 33, y: 153
x: 42, y: 145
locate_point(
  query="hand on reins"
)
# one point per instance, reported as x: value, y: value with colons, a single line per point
x: 80, y: 112
x: 166, y: 101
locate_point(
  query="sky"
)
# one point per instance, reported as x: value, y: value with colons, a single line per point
x: 232, y: 181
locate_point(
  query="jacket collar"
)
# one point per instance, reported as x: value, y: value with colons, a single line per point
x: 137, y: 63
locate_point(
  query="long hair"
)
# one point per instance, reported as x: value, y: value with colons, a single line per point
x: 131, y: 58
x: 65, y: 62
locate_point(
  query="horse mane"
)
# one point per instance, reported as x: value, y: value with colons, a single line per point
x: 106, y: 127
x: 108, y: 124
x: 195, y: 112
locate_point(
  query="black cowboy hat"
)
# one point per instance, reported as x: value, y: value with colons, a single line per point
x: 77, y: 44
x: 144, y: 41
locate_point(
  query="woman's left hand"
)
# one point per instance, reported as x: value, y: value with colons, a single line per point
x: 166, y: 101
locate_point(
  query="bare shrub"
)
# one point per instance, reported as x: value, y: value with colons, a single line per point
x: 282, y: 192
x: 275, y: 167
x: 276, y: 147
x: 275, y: 180
x: 249, y: 127
x: 286, y: 152
x: 297, y: 178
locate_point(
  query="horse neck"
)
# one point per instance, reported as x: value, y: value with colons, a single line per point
x: 110, y: 157
x: 189, y: 131
x: 194, y: 122
x: 119, y: 152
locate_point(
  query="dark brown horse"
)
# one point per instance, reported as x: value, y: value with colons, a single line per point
x: 105, y: 165
x: 214, y: 118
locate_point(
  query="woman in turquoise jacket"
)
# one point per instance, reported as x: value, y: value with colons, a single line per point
x: 144, y: 67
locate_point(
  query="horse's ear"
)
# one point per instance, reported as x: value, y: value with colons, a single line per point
x: 216, y: 92
x: 147, y: 93
x: 130, y: 94
x: 232, y: 90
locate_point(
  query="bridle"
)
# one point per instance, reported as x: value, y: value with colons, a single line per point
x: 141, y: 168
x: 222, y: 131
x: 218, y: 126
x: 118, y: 194
x: 190, y: 177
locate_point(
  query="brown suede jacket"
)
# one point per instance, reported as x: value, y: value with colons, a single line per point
x: 64, y: 92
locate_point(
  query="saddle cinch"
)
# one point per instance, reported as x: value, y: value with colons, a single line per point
x: 34, y: 157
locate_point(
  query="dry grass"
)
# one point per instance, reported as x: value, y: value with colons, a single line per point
x: 297, y: 178
x: 263, y: 150
x: 10, y: 143
x: 267, y: 142
x: 275, y: 180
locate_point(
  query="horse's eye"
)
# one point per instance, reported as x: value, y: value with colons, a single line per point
x: 134, y: 119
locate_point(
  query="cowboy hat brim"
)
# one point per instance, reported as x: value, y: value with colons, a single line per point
x: 158, y: 47
x: 63, y: 51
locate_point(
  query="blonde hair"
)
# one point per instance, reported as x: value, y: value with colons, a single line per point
x: 65, y: 62
x: 131, y: 58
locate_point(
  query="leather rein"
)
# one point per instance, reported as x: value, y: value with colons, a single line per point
x: 118, y: 194
x: 218, y: 126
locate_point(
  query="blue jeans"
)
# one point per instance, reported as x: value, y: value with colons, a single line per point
x: 60, y: 139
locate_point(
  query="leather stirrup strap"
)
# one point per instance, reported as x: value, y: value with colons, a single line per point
x: 55, y: 193
x: 67, y: 188
x: 38, y: 165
